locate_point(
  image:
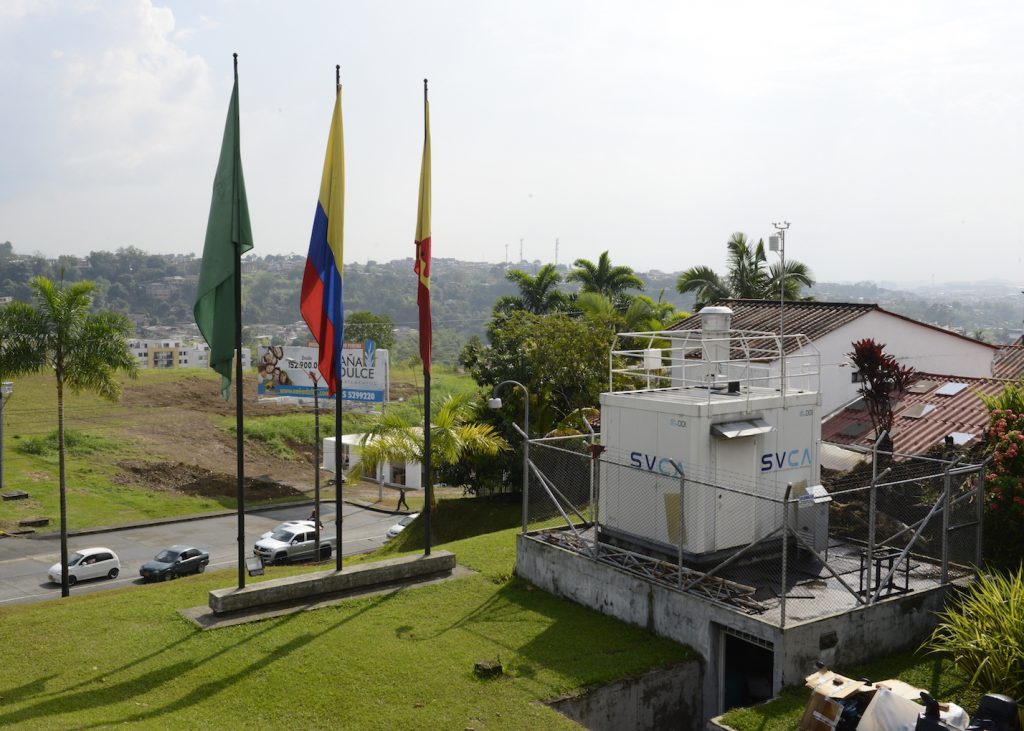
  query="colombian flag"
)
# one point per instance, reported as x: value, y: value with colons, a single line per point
x: 422, y: 265
x: 321, y: 303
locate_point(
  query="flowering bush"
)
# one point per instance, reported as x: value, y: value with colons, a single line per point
x: 1006, y: 479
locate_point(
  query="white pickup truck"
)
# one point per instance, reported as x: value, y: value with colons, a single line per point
x: 293, y: 541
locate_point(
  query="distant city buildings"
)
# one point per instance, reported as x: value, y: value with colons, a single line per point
x: 175, y: 354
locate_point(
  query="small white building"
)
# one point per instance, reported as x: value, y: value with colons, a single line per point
x: 405, y: 474
x: 832, y: 327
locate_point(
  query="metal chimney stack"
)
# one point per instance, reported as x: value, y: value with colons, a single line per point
x: 715, y: 323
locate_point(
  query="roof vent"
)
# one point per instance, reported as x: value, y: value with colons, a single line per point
x: 715, y: 323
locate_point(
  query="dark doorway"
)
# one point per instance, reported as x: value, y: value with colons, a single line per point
x: 746, y: 672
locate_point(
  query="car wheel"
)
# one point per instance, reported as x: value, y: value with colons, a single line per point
x: 325, y: 553
x: 72, y: 579
x: 167, y: 576
x: 281, y: 558
x: 201, y: 568
x: 112, y: 574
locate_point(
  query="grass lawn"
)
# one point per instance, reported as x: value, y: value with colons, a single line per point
x: 124, y: 657
x: 169, y: 420
x: 931, y: 672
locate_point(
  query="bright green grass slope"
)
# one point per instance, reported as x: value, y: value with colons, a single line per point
x: 403, y: 660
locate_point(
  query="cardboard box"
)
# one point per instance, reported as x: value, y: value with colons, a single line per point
x: 823, y: 709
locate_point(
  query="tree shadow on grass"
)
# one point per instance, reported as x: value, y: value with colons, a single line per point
x: 563, y: 640
x: 208, y: 690
x: 98, y: 693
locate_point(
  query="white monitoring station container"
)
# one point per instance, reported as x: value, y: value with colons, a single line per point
x: 711, y: 403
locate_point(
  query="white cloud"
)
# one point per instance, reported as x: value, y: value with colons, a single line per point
x: 132, y: 96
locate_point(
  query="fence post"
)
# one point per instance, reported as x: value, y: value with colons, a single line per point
x: 785, y: 551
x: 979, y: 510
x: 946, y: 482
x: 682, y: 521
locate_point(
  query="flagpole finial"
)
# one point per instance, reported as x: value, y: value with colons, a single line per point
x: 235, y: 55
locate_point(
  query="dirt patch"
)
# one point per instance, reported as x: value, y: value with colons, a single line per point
x: 194, y: 393
x: 201, y: 482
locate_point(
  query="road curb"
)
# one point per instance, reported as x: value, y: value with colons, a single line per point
x: 201, y: 516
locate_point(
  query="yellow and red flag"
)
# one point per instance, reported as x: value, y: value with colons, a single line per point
x: 422, y: 265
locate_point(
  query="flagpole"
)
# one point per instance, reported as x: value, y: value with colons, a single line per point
x: 239, y: 434
x: 428, y: 491
x: 338, y: 377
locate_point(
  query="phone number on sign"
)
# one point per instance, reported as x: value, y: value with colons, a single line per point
x: 348, y: 395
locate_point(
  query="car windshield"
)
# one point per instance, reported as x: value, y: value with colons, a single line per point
x: 75, y: 559
x: 407, y: 519
x: 283, y: 534
x: 167, y: 556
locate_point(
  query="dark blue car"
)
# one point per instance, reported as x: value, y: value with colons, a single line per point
x: 175, y: 561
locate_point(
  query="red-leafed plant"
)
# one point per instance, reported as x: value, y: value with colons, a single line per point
x: 883, y: 380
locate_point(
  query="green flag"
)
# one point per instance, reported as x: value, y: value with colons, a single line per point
x: 228, y: 236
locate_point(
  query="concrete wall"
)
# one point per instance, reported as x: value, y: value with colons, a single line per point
x: 839, y: 639
x: 680, y: 617
x: 843, y: 640
x: 660, y: 699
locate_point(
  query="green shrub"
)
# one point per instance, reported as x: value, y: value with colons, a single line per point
x: 983, y: 631
x: 77, y: 444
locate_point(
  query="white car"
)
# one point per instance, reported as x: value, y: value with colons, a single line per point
x: 89, y: 563
x: 400, y: 525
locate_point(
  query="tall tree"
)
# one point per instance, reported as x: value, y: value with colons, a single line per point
x: 83, y: 349
x: 748, y: 276
x: 365, y: 325
x: 603, y: 278
x: 537, y: 294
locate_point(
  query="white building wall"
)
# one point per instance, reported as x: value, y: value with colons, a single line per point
x: 924, y: 348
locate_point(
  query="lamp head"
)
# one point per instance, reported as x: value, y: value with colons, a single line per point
x: 494, y: 403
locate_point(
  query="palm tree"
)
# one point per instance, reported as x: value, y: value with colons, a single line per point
x: 642, y: 315
x: 85, y: 350
x: 748, y: 276
x: 537, y: 294
x: 603, y: 278
x: 453, y: 435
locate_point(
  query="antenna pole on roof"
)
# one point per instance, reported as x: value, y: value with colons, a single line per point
x: 778, y: 242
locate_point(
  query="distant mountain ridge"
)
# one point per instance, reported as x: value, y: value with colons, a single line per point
x: 158, y: 289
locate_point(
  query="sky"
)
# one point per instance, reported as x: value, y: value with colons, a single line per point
x: 888, y: 134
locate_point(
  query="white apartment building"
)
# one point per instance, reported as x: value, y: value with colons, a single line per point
x: 175, y: 354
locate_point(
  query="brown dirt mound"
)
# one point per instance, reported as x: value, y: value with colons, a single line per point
x: 194, y: 393
x: 198, y: 481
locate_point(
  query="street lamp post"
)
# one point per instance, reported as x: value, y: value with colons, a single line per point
x: 6, y: 389
x: 495, y: 403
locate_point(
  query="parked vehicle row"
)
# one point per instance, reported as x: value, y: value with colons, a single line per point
x: 293, y: 540
x: 102, y: 563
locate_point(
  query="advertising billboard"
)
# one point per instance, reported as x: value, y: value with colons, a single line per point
x: 284, y: 372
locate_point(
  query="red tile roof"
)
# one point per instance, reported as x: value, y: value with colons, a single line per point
x: 962, y: 412
x: 1009, y: 362
x: 813, y: 319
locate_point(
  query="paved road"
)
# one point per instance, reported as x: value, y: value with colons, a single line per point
x: 24, y: 561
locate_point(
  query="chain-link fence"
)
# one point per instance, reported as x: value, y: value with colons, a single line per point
x: 787, y: 552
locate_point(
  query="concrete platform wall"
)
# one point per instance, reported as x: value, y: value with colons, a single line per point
x: 840, y: 640
x: 661, y: 699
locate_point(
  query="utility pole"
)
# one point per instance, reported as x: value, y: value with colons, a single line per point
x: 520, y: 250
x: 778, y: 243
x: 6, y: 389
x: 556, y: 252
